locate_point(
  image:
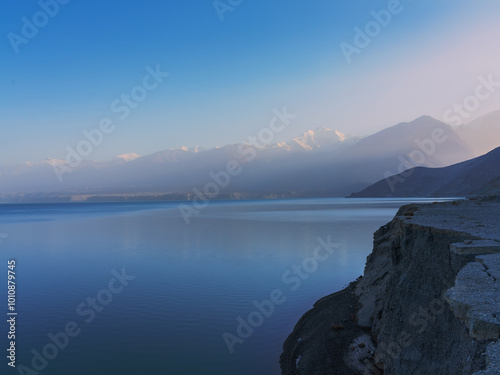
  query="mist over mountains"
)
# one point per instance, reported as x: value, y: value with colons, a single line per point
x: 479, y: 176
x: 482, y: 134
x: 320, y: 162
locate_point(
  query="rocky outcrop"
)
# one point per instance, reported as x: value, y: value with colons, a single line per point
x: 492, y: 360
x: 409, y: 278
x: 475, y: 298
x: 430, y: 292
x: 322, y: 338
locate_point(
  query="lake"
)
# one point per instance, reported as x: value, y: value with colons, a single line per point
x: 130, y: 288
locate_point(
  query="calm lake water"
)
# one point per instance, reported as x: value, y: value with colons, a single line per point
x: 193, y: 284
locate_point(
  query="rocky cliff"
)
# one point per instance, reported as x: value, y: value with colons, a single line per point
x: 429, y: 298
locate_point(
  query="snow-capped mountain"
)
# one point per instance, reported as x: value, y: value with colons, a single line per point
x: 129, y: 157
x: 176, y: 168
x: 320, y: 139
x: 322, y: 161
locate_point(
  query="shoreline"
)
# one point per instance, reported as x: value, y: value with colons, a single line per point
x: 425, y: 300
x: 179, y: 197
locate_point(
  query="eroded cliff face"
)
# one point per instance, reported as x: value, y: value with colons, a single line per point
x: 429, y: 300
x: 405, y: 293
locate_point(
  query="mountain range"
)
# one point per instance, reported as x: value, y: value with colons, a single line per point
x: 320, y: 162
x: 479, y: 176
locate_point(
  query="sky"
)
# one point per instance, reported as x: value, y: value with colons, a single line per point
x: 224, y: 67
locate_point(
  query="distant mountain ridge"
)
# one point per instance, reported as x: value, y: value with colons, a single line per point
x: 320, y: 162
x: 477, y: 176
x: 320, y: 139
x: 409, y: 136
x: 132, y: 171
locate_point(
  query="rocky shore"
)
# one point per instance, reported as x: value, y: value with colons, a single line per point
x: 428, y: 303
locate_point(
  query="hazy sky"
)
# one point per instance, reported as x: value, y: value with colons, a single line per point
x: 226, y: 76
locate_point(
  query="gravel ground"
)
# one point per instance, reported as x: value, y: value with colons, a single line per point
x: 479, y: 217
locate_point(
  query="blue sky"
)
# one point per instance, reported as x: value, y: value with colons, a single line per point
x: 226, y: 77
